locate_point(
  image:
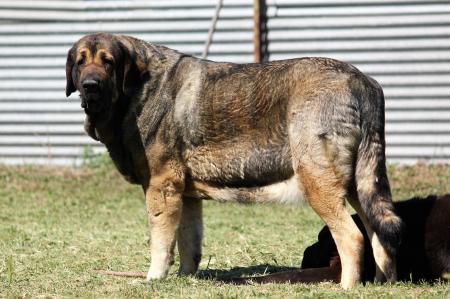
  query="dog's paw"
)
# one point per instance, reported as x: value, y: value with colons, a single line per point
x: 157, y: 273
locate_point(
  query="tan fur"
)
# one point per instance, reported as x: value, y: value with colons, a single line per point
x: 186, y: 129
x: 328, y: 201
x: 385, y: 265
x: 164, y: 206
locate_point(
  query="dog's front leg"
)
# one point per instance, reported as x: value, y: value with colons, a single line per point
x: 190, y: 236
x: 164, y: 205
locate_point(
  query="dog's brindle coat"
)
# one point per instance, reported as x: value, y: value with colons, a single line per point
x: 187, y: 129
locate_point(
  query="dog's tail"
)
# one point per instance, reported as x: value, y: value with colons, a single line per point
x: 372, y: 183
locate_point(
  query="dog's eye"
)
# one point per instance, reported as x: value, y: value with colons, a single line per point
x: 81, y: 61
x: 107, y: 61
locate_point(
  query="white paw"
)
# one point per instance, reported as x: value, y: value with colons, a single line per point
x: 155, y: 272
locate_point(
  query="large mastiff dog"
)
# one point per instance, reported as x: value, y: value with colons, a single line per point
x: 188, y: 129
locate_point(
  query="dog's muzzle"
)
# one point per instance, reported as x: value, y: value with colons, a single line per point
x: 91, y: 95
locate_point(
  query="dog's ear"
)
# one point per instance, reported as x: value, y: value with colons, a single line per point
x: 131, y: 75
x: 132, y: 69
x: 70, y: 87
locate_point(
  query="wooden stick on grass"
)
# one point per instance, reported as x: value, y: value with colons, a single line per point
x: 134, y: 274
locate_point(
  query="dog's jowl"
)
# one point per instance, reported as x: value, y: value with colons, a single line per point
x: 188, y: 129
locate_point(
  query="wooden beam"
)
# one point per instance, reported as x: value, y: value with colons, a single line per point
x: 260, y: 31
x: 257, y: 31
x: 212, y: 28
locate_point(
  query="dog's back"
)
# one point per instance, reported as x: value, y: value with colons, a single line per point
x: 437, y: 237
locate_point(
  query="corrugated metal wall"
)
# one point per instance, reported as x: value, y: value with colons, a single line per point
x: 404, y: 44
x: 37, y: 123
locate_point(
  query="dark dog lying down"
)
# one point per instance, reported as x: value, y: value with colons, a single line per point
x: 424, y: 253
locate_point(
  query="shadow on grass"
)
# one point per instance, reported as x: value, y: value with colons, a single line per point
x: 231, y: 274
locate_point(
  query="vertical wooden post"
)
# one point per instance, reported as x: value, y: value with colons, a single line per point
x: 259, y: 31
x: 212, y: 28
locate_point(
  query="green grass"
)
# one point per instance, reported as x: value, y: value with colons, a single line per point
x: 58, y: 225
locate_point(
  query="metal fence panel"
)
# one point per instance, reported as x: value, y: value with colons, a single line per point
x: 404, y: 44
x: 37, y: 123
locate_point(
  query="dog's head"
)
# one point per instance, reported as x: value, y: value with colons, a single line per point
x: 104, y: 68
x: 321, y: 253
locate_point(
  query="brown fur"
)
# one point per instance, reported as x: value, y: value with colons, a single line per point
x: 186, y: 129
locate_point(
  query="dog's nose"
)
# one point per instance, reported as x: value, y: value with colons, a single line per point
x: 90, y: 85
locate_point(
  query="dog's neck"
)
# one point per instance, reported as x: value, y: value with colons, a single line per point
x: 102, y: 127
x: 134, y: 122
x: 108, y: 130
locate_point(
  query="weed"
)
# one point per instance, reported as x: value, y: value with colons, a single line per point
x: 57, y: 225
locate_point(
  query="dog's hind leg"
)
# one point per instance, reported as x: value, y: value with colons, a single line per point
x: 326, y: 194
x: 373, y: 201
x: 383, y: 261
x: 374, y: 206
x: 324, y: 166
x: 190, y: 233
x: 323, y: 158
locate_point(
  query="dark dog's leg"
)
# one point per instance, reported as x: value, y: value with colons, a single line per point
x: 190, y: 235
x: 437, y: 238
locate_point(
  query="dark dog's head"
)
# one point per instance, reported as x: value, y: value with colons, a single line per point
x: 104, y: 68
x: 320, y: 254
